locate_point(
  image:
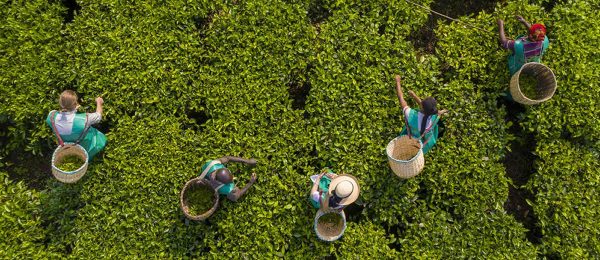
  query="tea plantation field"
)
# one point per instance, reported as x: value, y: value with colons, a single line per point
x: 298, y: 85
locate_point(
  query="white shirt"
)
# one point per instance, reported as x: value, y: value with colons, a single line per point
x: 64, y: 121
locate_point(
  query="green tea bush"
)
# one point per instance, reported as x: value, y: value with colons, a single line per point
x: 494, y: 234
x: 190, y: 81
x: 22, y: 233
x: 566, y: 115
x: 32, y: 62
x: 571, y: 112
x: 567, y: 198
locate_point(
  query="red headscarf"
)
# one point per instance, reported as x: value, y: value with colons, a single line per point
x: 533, y: 32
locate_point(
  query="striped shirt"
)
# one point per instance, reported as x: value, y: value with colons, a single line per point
x: 530, y: 48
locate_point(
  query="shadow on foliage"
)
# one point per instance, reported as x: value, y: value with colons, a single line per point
x: 33, y: 170
x: 5, y: 123
x: 72, y: 8
x: 198, y: 117
x: 59, y: 211
x: 299, y: 87
x: 317, y: 12
x: 203, y: 23
x: 398, y: 232
x: 550, y: 4
x: 519, y: 166
x: 425, y: 39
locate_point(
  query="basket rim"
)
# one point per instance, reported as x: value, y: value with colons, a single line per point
x: 403, y: 161
x: 322, y: 212
x: 85, y: 161
x: 182, y: 204
x: 526, y: 98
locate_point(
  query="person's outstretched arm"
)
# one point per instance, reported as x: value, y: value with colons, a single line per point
x: 501, y: 34
x: 416, y: 98
x: 442, y: 112
x: 403, y: 103
x: 236, y: 193
x: 325, y: 203
x: 96, y: 117
x: 99, y: 103
x: 523, y: 21
x: 226, y: 159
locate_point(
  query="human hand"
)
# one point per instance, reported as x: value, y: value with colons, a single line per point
x: 99, y: 101
x: 500, y: 23
x: 320, y: 176
x: 443, y: 111
x: 520, y: 18
x: 412, y: 93
x: 252, y: 161
x: 253, y: 178
x: 398, y: 79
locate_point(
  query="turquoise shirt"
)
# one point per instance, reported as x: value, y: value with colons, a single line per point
x: 93, y: 141
x: 322, y: 189
x: 214, y: 165
x: 430, y: 138
x: 517, y: 59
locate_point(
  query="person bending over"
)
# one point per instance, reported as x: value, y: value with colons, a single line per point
x: 221, y: 179
x: 75, y: 127
x: 422, y: 122
x: 526, y: 48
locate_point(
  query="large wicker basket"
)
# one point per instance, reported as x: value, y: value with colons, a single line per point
x: 193, y: 184
x: 66, y: 150
x: 328, y: 234
x: 406, y: 168
x: 545, y: 87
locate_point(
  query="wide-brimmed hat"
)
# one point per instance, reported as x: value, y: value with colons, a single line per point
x: 346, y: 187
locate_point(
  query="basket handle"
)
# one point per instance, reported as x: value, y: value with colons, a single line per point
x: 60, y: 141
x: 407, y: 125
x: 429, y: 128
x: 85, y: 130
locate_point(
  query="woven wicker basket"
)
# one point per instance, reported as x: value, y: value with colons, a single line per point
x: 326, y: 234
x: 192, y: 184
x: 545, y: 87
x: 60, y: 153
x: 405, y: 168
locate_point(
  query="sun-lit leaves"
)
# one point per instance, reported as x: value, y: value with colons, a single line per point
x: 298, y: 86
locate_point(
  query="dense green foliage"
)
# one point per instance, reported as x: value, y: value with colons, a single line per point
x: 21, y: 231
x: 200, y: 200
x: 70, y: 163
x: 186, y: 81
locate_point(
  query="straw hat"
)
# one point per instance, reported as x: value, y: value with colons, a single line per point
x: 346, y: 187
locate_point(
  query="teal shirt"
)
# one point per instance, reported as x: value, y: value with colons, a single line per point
x: 430, y: 138
x: 322, y: 189
x: 225, y: 189
x: 517, y: 59
x: 93, y: 141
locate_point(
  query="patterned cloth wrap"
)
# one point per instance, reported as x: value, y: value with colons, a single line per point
x: 430, y: 138
x: 208, y: 168
x: 525, y: 51
x: 322, y: 190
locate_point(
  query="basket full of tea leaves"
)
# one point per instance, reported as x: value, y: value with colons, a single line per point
x: 69, y: 162
x: 330, y: 224
x: 198, y: 199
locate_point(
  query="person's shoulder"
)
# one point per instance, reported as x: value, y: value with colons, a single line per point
x: 51, y: 113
